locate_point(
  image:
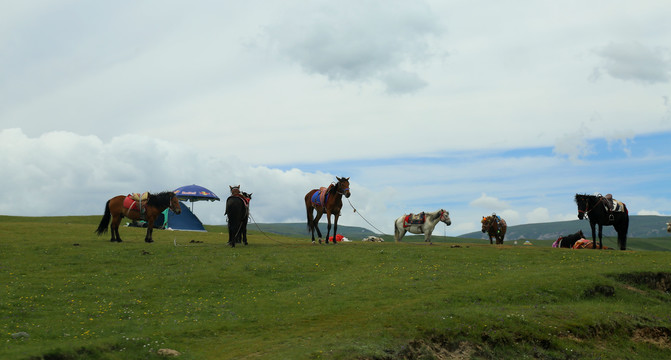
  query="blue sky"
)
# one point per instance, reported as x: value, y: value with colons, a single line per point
x: 510, y: 107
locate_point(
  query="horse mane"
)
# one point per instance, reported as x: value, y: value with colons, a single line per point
x: 584, y: 197
x: 435, y: 214
x: 160, y: 199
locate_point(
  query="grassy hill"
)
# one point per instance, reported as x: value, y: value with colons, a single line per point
x: 640, y: 226
x: 68, y: 294
x: 300, y: 230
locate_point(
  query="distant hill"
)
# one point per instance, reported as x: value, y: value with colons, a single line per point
x: 640, y: 226
x: 301, y: 230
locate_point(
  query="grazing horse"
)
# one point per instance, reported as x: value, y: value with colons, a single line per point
x: 594, y: 207
x: 495, y: 227
x: 237, y: 209
x: 424, y: 225
x: 118, y: 207
x: 329, y: 201
x: 569, y: 240
x: 668, y: 226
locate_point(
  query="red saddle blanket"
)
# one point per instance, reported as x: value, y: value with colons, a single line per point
x: 133, y: 202
x: 414, y: 219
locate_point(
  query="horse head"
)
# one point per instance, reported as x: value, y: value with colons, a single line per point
x: 234, y: 189
x: 174, y: 204
x: 343, y: 186
x: 486, y: 220
x: 247, y: 196
x: 445, y: 217
x: 583, y: 205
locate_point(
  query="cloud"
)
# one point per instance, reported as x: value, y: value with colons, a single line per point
x: 649, y: 212
x: 633, y: 61
x: 574, y: 144
x: 538, y: 215
x: 61, y: 173
x: 359, y: 41
x: 489, y: 203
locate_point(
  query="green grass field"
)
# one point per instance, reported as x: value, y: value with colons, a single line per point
x: 68, y: 294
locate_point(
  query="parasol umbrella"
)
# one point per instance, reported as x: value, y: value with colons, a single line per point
x: 195, y: 193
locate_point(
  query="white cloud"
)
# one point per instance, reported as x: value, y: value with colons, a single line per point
x: 538, y: 215
x: 649, y: 212
x: 489, y: 203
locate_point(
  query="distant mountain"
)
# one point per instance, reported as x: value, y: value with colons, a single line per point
x: 301, y: 230
x: 640, y: 226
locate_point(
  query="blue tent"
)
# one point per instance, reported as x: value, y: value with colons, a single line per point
x: 186, y: 220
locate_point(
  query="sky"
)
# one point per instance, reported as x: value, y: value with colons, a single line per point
x: 468, y: 106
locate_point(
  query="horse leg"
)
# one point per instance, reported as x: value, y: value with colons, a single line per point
x: 315, y: 226
x: 335, y: 228
x: 398, y: 233
x: 328, y: 227
x: 151, y: 217
x: 244, y: 231
x: 600, y: 236
x: 592, y: 225
x: 231, y: 231
x: 114, y: 228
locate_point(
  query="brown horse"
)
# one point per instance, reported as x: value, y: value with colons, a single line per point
x: 155, y: 204
x: 330, y: 203
x: 495, y: 227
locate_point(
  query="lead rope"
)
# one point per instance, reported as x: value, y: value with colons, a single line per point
x: 366, y: 220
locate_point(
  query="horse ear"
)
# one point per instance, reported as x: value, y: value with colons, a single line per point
x: 339, y: 179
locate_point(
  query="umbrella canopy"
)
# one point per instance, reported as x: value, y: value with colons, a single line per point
x: 194, y: 193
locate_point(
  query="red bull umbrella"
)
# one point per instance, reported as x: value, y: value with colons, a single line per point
x: 195, y: 193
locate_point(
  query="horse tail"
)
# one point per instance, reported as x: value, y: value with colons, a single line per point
x: 104, y: 222
x: 622, y: 234
x: 308, y: 210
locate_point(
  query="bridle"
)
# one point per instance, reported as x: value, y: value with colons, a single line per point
x: 339, y: 190
x: 587, y: 209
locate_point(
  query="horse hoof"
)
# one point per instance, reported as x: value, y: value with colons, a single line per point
x: 149, y: 241
x: 320, y: 241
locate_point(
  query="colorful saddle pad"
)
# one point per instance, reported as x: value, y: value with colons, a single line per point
x: 320, y: 197
x: 414, y: 219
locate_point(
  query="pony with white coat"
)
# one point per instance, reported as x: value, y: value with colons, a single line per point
x: 431, y: 220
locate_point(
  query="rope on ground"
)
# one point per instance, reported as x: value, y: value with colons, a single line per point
x: 264, y: 233
x: 366, y: 220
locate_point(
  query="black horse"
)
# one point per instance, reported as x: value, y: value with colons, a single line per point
x: 594, y: 207
x: 237, y: 209
x: 569, y: 240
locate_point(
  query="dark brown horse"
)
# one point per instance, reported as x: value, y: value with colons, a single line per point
x: 237, y: 211
x: 495, y: 227
x: 330, y: 203
x: 155, y: 204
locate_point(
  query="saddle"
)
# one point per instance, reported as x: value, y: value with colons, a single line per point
x: 414, y: 219
x: 320, y: 197
x: 136, y: 201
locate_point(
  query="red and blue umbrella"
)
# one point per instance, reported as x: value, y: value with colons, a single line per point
x: 193, y: 193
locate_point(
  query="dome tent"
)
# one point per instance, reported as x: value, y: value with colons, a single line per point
x: 186, y: 220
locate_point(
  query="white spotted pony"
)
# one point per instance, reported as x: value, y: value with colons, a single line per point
x: 424, y: 225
